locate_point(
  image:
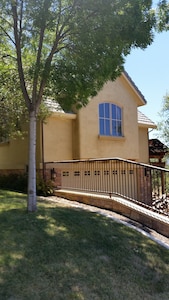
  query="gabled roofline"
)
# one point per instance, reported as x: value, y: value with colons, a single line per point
x: 134, y: 88
x: 144, y: 121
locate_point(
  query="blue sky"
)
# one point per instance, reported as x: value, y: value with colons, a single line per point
x: 149, y: 69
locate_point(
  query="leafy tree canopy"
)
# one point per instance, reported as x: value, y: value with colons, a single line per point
x: 163, y: 126
x: 81, y: 44
x: 12, y: 106
x: 66, y: 50
x: 162, y: 14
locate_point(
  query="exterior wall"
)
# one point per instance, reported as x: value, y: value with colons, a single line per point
x: 57, y: 136
x: 39, y: 147
x: 91, y: 145
x: 76, y: 139
x: 143, y: 145
x: 54, y: 142
x: 66, y: 137
x: 14, y: 154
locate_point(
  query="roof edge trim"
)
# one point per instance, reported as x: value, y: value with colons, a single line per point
x: 134, y: 87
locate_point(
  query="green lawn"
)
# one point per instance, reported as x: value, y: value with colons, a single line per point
x: 67, y: 253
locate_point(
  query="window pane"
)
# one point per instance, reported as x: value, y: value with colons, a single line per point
x: 107, y: 113
x: 101, y: 110
x: 101, y: 122
x: 110, y: 119
x: 107, y: 122
x: 118, y: 115
x: 113, y: 111
x: 119, y: 129
x: 113, y: 127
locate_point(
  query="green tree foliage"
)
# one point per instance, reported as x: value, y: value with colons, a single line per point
x: 12, y: 106
x: 163, y: 24
x: 163, y: 126
x: 67, y: 50
x: 79, y: 43
x: 162, y: 13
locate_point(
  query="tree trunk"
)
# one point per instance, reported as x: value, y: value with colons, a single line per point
x: 31, y: 205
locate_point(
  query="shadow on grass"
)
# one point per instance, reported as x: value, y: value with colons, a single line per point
x: 62, y: 253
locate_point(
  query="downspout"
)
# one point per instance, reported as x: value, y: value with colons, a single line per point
x: 43, y: 161
x: 148, y: 144
x: 150, y: 131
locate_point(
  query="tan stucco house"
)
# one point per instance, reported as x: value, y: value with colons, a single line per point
x: 109, y: 126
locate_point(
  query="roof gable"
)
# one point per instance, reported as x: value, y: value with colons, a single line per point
x: 144, y: 121
x: 135, y: 89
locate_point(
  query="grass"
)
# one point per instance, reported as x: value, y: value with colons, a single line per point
x: 67, y: 253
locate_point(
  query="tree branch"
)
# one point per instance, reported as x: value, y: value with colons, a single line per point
x: 35, y: 79
x: 59, y: 35
x: 35, y: 97
x: 8, y: 55
x: 19, y: 57
x: 10, y: 38
x: 20, y: 22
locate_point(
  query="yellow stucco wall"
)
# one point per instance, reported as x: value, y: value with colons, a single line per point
x: 14, y: 155
x: 93, y: 146
x: 143, y: 145
x: 69, y: 136
x: 57, y: 134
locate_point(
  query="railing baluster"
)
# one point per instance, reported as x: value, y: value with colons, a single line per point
x: 143, y: 184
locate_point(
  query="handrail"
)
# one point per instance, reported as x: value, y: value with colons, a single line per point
x: 135, y: 181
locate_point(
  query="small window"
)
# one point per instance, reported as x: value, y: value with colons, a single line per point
x: 65, y: 173
x: 114, y: 172
x: 110, y: 119
x: 87, y: 173
x: 76, y: 173
x: 106, y: 172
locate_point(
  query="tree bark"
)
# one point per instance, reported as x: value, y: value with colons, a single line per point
x: 31, y: 204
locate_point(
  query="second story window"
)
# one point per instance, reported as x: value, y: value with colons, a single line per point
x: 110, y: 119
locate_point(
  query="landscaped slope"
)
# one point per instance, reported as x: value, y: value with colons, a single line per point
x: 67, y: 253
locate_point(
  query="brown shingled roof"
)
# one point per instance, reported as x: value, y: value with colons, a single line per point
x: 145, y: 121
x: 156, y: 147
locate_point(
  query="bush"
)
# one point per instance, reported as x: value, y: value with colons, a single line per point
x: 19, y: 182
x: 14, y: 182
x: 44, y: 188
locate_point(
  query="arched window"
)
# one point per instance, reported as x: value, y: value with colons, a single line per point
x: 110, y: 119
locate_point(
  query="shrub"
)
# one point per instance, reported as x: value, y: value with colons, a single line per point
x: 44, y: 187
x: 18, y: 182
x: 15, y: 182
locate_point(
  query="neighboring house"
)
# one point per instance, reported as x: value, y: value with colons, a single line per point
x: 157, y: 153
x: 109, y: 126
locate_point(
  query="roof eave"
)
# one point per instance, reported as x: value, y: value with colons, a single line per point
x: 142, y: 100
x: 64, y: 115
x: 147, y: 125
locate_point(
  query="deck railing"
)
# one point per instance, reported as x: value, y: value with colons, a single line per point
x: 143, y: 184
